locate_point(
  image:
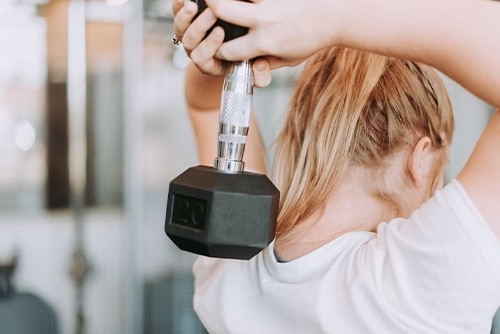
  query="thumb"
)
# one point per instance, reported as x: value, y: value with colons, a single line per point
x: 261, y: 72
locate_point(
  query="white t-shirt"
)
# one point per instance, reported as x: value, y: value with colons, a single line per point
x: 436, y: 272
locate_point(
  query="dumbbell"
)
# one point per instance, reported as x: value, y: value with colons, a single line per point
x: 224, y: 211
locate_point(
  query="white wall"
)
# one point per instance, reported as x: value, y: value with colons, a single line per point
x: 471, y: 116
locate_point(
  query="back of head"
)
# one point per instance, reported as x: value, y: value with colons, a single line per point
x: 352, y: 108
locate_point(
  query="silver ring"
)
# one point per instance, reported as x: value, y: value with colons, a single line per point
x: 176, y: 40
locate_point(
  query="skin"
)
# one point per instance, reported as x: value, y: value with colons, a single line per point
x: 200, y: 50
x: 451, y: 38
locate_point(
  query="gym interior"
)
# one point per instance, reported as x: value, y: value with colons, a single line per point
x: 92, y: 130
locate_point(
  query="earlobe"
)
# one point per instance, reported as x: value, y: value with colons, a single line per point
x: 420, y: 161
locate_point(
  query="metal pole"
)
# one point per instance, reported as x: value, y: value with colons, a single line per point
x: 77, y: 104
x: 133, y: 168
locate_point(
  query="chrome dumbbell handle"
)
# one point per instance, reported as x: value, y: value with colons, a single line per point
x: 234, y: 118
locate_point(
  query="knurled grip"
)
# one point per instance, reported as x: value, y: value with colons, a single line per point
x: 236, y: 106
x: 234, y: 118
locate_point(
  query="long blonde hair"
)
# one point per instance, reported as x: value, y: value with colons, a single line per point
x: 352, y: 108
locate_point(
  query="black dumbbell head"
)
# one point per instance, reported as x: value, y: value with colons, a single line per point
x: 217, y: 214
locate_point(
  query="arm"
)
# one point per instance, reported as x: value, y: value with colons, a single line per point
x: 202, y: 93
x: 458, y: 37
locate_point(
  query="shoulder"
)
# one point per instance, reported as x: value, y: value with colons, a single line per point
x: 439, y: 262
x: 449, y: 221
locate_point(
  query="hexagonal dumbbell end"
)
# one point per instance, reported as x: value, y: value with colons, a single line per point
x: 217, y: 214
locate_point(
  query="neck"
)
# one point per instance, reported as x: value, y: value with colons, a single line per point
x: 350, y: 207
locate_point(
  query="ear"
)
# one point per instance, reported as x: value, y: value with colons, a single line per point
x: 420, y: 161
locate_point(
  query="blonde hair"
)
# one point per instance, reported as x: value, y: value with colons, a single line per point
x: 352, y: 108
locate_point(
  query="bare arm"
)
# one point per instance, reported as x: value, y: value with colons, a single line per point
x: 480, y: 176
x: 459, y: 37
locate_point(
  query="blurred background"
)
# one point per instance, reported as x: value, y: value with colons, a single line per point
x: 92, y: 129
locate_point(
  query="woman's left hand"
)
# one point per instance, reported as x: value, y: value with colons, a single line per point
x: 202, y: 50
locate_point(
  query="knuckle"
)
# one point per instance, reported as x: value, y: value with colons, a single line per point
x: 262, y: 45
x: 225, y: 53
x: 187, y: 42
x: 197, y: 57
x: 187, y: 45
x: 214, y: 7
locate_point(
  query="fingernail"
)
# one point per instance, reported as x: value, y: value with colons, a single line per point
x: 260, y: 66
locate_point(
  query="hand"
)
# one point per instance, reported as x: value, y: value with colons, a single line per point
x: 202, y: 50
x: 285, y: 32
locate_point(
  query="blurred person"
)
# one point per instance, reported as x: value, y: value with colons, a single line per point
x: 369, y: 240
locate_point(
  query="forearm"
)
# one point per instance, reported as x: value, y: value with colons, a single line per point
x: 458, y: 37
x: 441, y: 33
x: 202, y: 92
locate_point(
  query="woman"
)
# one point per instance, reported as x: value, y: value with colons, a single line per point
x: 368, y: 240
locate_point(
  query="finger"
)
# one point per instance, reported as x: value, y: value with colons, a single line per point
x: 203, y: 55
x: 176, y: 6
x: 276, y: 62
x: 183, y: 18
x: 261, y: 72
x: 197, y: 30
x: 237, y: 12
x: 239, y: 49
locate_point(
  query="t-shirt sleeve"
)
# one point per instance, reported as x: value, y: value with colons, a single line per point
x: 440, y: 268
